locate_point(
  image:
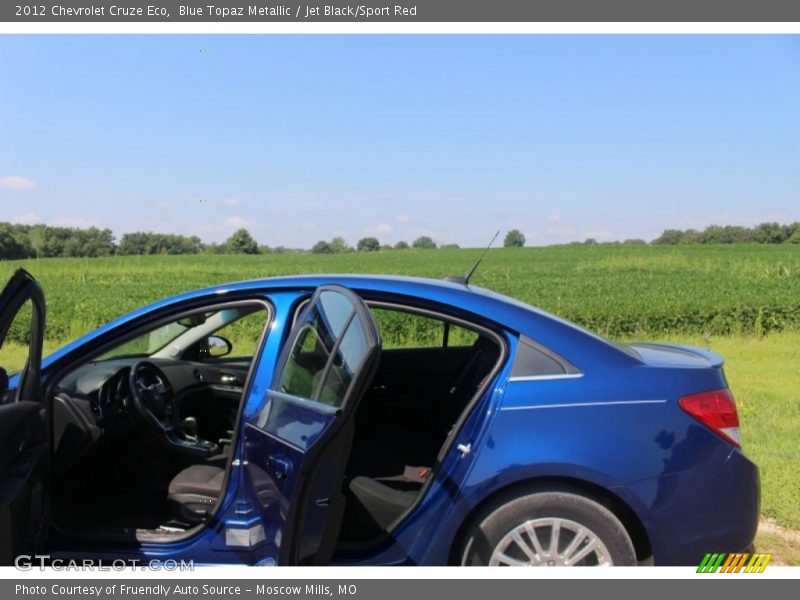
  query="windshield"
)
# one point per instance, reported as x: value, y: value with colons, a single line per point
x: 151, y: 342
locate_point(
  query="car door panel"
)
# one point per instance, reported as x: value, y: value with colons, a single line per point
x: 297, y: 447
x: 24, y: 443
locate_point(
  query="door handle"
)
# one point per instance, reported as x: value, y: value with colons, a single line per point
x: 279, y: 466
x: 230, y: 379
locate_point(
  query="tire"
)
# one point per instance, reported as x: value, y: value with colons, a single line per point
x: 501, y: 535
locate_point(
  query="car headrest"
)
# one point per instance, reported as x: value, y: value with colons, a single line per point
x: 3, y: 381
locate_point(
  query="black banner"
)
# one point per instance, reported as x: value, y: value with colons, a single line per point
x: 731, y: 588
x: 400, y: 11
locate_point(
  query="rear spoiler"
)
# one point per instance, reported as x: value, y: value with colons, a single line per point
x: 698, y: 354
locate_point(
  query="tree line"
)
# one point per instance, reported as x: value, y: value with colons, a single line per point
x: 763, y: 233
x: 43, y: 241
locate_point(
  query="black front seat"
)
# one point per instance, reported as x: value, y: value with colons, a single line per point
x: 195, y: 491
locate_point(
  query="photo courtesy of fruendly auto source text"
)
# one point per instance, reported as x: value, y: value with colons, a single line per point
x: 327, y: 300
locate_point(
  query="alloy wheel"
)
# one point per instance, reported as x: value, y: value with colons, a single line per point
x: 551, y: 542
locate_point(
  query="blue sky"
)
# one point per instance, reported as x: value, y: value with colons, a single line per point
x: 300, y: 138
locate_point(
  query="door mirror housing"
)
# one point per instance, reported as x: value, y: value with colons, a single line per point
x: 218, y: 346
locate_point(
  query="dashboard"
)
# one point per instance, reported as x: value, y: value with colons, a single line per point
x: 94, y: 400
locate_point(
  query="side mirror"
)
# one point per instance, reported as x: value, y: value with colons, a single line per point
x: 219, y: 346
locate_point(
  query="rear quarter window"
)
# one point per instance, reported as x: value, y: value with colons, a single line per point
x: 534, y: 360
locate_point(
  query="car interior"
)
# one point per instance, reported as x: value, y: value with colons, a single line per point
x: 133, y: 425
x: 143, y: 434
x: 429, y: 371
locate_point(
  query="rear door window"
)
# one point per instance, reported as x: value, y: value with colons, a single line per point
x: 403, y: 329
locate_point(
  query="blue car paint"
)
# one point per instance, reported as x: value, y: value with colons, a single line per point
x: 616, y: 426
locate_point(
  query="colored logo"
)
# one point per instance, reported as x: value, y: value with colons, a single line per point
x: 743, y: 562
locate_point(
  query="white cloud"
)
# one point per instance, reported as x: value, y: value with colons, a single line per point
x: 28, y: 218
x: 402, y: 218
x: 15, y: 182
x: 237, y: 222
x: 554, y: 217
x: 231, y: 201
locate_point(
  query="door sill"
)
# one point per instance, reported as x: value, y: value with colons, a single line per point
x: 127, y: 535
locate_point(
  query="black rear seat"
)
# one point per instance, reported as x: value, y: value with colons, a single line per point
x: 376, y: 502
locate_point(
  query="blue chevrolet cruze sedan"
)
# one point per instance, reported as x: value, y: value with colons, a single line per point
x: 364, y: 420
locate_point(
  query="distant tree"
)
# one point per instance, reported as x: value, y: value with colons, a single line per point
x: 424, y: 242
x: 368, y: 244
x: 134, y: 243
x: 590, y: 242
x: 215, y: 248
x: 241, y: 242
x: 71, y: 248
x: 140, y: 242
x: 669, y: 237
x: 386, y: 247
x: 10, y: 247
x: 771, y: 233
x: 634, y: 242
x: 690, y: 236
x: 322, y: 247
x: 514, y: 239
x: 401, y: 245
x: 339, y: 245
x: 96, y: 242
x: 36, y: 237
x: 450, y: 246
x: 795, y: 237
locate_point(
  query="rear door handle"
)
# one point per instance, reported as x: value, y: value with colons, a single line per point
x: 279, y: 466
x: 230, y: 379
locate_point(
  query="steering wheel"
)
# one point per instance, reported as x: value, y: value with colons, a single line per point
x: 151, y: 396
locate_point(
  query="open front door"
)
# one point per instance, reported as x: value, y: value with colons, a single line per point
x: 299, y: 445
x: 23, y: 435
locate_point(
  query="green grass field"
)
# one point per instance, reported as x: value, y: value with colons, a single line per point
x: 742, y: 301
x: 619, y: 290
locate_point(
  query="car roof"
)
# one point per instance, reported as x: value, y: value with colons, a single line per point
x: 554, y: 332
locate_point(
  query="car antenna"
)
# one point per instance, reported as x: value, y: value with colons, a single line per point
x: 464, y: 279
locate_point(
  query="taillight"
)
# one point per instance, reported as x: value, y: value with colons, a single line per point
x: 717, y: 410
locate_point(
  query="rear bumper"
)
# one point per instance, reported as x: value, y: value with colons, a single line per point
x: 702, y: 510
